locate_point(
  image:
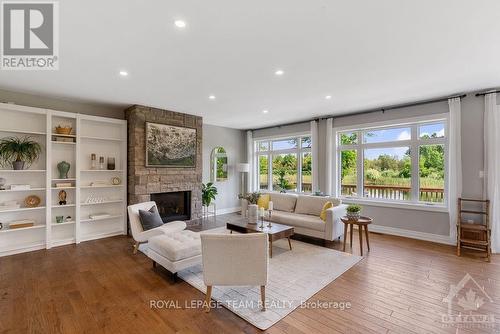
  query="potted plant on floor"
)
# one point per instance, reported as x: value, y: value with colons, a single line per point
x: 18, y: 152
x: 353, y: 212
x: 208, y: 193
x: 252, y: 199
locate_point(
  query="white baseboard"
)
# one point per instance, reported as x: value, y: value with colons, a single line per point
x: 23, y: 249
x: 228, y: 210
x: 102, y: 235
x: 441, y: 239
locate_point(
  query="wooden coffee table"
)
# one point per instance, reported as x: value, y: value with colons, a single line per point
x: 275, y: 232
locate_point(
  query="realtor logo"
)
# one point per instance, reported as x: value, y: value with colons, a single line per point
x: 30, y: 35
x: 465, y: 301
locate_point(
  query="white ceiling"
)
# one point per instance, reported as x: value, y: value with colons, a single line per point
x: 363, y: 53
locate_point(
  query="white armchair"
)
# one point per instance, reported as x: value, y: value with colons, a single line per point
x: 235, y: 260
x: 140, y: 236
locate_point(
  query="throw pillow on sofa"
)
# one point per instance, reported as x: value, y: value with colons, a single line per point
x: 327, y: 206
x: 150, y: 219
x: 263, y: 201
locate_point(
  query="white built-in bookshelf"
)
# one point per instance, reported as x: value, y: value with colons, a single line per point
x: 89, y: 191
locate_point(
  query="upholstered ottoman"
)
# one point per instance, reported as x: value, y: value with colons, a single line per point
x: 175, y: 251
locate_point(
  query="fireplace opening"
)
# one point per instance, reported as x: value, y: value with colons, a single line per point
x: 173, y: 205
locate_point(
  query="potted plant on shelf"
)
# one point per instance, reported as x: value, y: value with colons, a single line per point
x: 353, y: 212
x: 208, y: 193
x: 18, y: 152
x: 252, y: 199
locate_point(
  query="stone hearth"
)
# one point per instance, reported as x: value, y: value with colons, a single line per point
x: 144, y: 181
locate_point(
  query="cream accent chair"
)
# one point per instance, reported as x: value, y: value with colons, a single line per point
x: 140, y: 236
x: 235, y: 260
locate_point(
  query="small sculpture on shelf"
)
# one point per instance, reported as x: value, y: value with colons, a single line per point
x: 62, y: 197
x: 2, y: 183
x: 63, y: 168
x: 116, y: 181
x: 92, y: 199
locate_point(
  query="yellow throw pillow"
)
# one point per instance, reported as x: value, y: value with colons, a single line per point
x: 327, y: 206
x: 263, y: 201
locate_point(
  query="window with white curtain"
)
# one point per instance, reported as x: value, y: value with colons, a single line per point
x: 284, y: 164
x: 398, y: 161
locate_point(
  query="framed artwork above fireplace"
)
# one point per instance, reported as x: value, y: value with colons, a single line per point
x: 170, y: 146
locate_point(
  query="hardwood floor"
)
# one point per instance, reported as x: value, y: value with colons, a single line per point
x: 101, y: 287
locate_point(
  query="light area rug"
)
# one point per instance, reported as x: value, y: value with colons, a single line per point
x: 294, y: 277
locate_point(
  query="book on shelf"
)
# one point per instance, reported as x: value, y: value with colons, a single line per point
x: 9, y: 207
x: 21, y: 223
x: 64, y: 139
x: 98, y: 183
x: 63, y: 184
x: 20, y: 187
x: 99, y: 215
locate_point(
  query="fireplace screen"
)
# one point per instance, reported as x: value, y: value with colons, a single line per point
x: 173, y: 205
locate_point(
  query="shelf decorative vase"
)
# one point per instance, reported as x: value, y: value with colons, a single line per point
x: 63, y: 168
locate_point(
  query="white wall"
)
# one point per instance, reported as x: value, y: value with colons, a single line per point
x: 233, y: 142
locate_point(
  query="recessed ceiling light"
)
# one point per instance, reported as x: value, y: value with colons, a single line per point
x: 265, y: 111
x: 212, y: 97
x: 279, y: 72
x: 123, y: 73
x: 180, y: 24
x: 328, y: 97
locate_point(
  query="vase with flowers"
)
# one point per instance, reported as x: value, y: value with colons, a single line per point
x: 252, y: 199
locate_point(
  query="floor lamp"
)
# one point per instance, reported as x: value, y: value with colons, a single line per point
x: 243, y: 168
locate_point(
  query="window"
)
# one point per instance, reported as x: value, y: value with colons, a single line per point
x: 403, y: 162
x: 306, y: 181
x: 348, y: 176
x: 263, y: 171
x: 284, y: 164
x: 285, y: 172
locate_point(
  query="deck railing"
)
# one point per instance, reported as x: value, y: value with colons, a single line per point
x: 395, y: 192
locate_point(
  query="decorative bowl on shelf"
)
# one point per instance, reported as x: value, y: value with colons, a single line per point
x: 32, y: 201
x: 63, y: 130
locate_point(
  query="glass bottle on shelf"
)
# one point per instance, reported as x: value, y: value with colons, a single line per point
x: 93, y: 161
x: 101, y: 163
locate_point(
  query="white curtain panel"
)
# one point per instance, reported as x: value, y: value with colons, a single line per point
x: 492, y: 165
x: 250, y: 159
x: 330, y: 153
x: 315, y: 155
x: 454, y: 164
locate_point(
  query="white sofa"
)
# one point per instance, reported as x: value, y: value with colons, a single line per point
x: 303, y: 211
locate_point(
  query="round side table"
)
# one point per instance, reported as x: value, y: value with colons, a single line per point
x: 362, y: 223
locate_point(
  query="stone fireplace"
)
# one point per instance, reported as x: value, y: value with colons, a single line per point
x: 144, y: 183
